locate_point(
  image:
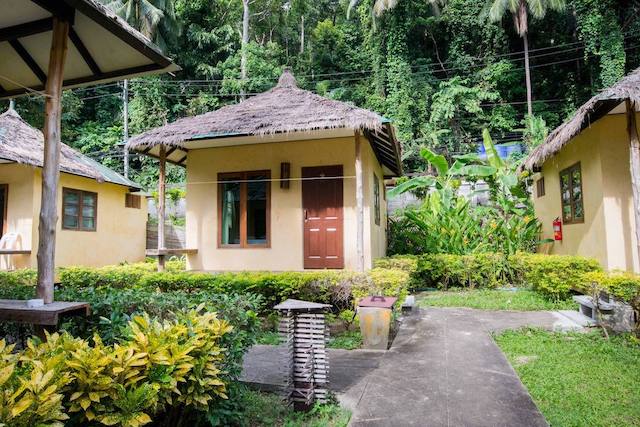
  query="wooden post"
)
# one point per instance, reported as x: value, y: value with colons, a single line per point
x: 359, y: 205
x: 51, y: 161
x: 634, y: 164
x: 161, y: 199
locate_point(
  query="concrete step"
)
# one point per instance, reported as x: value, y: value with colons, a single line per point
x: 569, y: 320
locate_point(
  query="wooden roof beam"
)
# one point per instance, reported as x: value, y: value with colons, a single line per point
x: 27, y: 29
x: 59, y: 9
x: 28, y: 59
x: 141, y: 69
x: 84, y: 52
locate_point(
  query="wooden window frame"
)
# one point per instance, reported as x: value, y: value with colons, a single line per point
x: 5, y: 209
x: 376, y: 199
x: 81, y: 194
x: 132, y: 201
x: 244, y: 177
x: 540, y: 188
x: 569, y: 171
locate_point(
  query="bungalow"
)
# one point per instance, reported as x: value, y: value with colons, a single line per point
x: 583, y: 179
x: 285, y: 180
x: 101, y: 221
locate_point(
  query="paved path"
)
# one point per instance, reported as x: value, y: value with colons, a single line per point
x: 443, y: 369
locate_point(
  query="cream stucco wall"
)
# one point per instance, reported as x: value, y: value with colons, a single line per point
x: 120, y: 233
x: 607, y: 233
x: 286, y: 249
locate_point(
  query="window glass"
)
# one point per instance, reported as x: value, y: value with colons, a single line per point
x: 231, y: 213
x: 243, y: 203
x: 257, y: 210
x: 71, y: 209
x: 571, y: 194
x: 376, y: 199
x: 79, y: 210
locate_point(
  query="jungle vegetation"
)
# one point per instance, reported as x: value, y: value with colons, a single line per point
x: 442, y: 70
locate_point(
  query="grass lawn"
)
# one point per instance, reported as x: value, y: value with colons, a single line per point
x: 348, y: 340
x: 578, y: 379
x: 490, y: 299
x: 266, y: 409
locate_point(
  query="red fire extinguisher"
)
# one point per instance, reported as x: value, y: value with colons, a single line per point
x: 557, y: 229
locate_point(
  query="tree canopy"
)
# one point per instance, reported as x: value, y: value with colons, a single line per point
x: 441, y: 70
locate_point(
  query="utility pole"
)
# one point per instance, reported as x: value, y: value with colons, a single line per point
x: 125, y: 128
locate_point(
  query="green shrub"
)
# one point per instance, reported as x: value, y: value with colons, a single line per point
x: 622, y: 285
x: 462, y: 271
x: 553, y: 275
x: 408, y: 263
x: 331, y: 287
x: 161, y: 372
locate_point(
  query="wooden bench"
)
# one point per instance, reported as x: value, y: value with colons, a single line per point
x: 179, y: 251
x: 45, y: 315
x: 588, y: 308
x: 15, y: 252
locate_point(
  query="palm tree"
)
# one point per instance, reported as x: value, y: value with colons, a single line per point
x: 381, y: 6
x: 520, y: 10
x: 156, y: 19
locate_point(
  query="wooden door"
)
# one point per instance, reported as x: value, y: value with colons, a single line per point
x: 323, y: 219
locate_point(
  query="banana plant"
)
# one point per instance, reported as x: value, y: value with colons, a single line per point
x: 466, y: 166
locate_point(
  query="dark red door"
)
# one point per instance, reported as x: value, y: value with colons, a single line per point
x: 323, y: 223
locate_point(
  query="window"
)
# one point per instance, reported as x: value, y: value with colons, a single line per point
x: 540, y: 187
x: 132, y: 201
x: 79, y: 210
x: 243, y: 209
x: 571, y: 195
x: 376, y: 198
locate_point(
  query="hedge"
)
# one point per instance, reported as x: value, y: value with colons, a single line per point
x: 552, y: 275
x: 338, y: 288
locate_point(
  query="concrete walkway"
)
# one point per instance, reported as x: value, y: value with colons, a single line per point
x: 443, y: 369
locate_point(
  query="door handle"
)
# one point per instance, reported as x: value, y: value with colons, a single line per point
x: 306, y: 217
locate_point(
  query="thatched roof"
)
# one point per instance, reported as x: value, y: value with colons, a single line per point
x: 592, y: 110
x: 21, y: 143
x: 282, y: 109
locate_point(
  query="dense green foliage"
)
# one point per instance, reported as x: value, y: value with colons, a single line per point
x: 577, y: 379
x: 440, y: 69
x: 168, y: 371
x: 446, y: 222
x: 137, y: 287
x: 551, y: 275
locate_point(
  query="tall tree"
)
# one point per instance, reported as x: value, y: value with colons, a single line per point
x: 245, y: 41
x: 155, y: 19
x: 520, y: 10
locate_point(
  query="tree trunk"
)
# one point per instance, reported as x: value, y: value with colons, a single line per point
x: 161, y: 203
x: 125, y: 128
x: 302, y: 34
x: 51, y: 161
x: 245, y: 42
x: 634, y: 160
x: 359, y: 205
x: 527, y: 73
